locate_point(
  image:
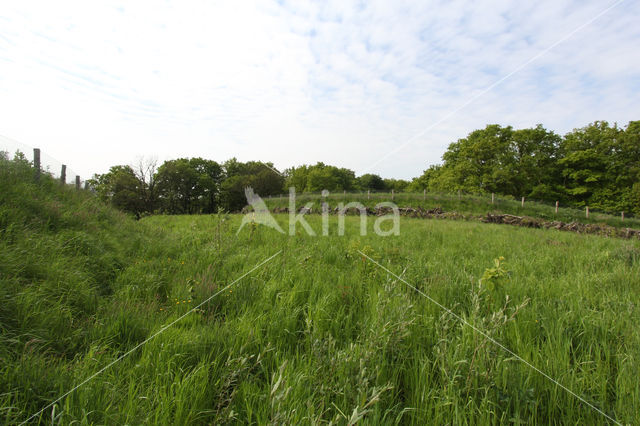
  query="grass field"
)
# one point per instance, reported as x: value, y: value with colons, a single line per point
x: 317, y: 334
x: 474, y: 205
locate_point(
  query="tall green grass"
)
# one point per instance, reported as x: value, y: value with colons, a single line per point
x: 466, y: 204
x: 317, y: 335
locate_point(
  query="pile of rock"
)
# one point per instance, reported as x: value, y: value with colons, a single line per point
x: 580, y: 228
x: 507, y: 219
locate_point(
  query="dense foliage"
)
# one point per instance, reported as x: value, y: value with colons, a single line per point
x: 598, y: 166
x: 196, y: 185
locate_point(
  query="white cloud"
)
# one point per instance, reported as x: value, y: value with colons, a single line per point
x: 293, y: 83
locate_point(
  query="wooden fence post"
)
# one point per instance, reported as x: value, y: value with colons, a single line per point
x: 86, y: 185
x: 492, y: 198
x: 522, y: 201
x: 368, y: 194
x: 587, y: 211
x: 77, y: 182
x: 63, y: 174
x: 557, y: 202
x: 392, y: 194
x: 36, y: 164
x: 622, y: 216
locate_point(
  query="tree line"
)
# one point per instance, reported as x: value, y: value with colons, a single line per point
x: 198, y: 185
x: 597, y: 165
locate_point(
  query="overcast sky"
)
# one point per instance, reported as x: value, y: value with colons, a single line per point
x: 346, y: 83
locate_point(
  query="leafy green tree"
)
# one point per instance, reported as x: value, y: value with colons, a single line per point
x: 21, y: 159
x: 321, y: 178
x: 398, y: 185
x: 372, y: 182
x: 501, y: 160
x: 122, y: 188
x: 427, y: 180
x: 210, y: 175
x: 189, y: 185
x: 296, y: 177
x: 589, y: 165
x: 177, y: 181
x: 331, y: 178
x: 232, y: 196
x: 529, y: 165
x: 476, y: 163
x: 627, y: 169
x: 266, y: 182
x: 233, y: 167
x: 318, y: 177
x: 262, y: 177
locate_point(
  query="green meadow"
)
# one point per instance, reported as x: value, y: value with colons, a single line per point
x: 183, y: 320
x: 468, y: 205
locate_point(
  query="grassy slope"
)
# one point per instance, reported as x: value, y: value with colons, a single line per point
x: 316, y: 334
x: 467, y: 205
x: 60, y: 252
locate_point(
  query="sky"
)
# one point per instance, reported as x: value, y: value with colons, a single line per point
x: 375, y: 86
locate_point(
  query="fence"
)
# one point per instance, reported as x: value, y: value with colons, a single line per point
x: 520, y: 204
x: 43, y: 164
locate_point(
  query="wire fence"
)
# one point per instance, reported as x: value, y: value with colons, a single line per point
x: 47, y: 164
x: 522, y: 205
